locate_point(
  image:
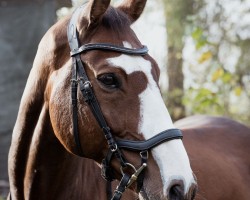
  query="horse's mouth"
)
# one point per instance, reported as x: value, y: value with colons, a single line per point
x: 143, y: 195
x: 190, y: 196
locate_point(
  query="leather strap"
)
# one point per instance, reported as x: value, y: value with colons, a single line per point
x: 106, y: 169
x: 140, y: 179
x: 89, y: 97
x: 109, y: 47
x: 74, y: 84
x: 72, y: 32
x: 164, y: 136
x: 121, y: 187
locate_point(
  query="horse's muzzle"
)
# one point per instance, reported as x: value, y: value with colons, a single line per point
x: 176, y: 191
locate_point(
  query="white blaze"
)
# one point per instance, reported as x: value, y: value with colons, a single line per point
x: 171, y: 156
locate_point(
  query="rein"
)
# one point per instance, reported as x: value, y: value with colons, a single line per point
x: 79, y: 77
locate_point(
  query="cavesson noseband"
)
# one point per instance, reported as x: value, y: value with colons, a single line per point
x: 79, y: 77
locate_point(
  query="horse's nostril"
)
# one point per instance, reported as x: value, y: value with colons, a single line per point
x: 176, y: 191
x: 193, y: 189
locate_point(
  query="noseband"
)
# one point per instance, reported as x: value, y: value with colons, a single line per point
x: 79, y: 77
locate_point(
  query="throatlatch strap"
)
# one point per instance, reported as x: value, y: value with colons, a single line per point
x: 121, y: 187
x: 106, y: 170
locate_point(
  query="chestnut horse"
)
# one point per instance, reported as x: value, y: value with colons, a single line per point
x: 43, y: 158
x: 218, y: 149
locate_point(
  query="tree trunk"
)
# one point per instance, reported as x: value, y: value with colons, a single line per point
x: 176, y: 12
x: 175, y: 84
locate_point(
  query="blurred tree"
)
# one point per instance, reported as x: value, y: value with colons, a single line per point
x: 222, y: 45
x: 63, y: 3
x: 177, y: 13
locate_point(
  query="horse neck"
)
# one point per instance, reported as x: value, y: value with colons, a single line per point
x: 38, y: 163
x: 39, y: 166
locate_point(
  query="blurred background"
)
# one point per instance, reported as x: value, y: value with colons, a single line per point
x: 201, y: 46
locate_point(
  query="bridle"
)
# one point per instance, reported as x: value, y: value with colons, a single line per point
x: 79, y: 77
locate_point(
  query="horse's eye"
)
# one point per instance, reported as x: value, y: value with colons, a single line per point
x: 109, y: 80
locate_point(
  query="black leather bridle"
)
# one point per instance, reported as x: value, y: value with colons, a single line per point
x: 79, y: 77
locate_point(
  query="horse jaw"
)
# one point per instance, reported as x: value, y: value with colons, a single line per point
x: 171, y: 157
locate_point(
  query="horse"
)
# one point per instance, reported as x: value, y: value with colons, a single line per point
x: 95, y: 187
x: 218, y: 149
x: 99, y: 101
x: 221, y: 166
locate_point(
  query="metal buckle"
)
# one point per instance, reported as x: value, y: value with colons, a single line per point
x: 81, y: 79
x: 136, y: 173
x: 114, y: 149
x: 117, y: 191
x: 74, y: 80
x: 86, y: 82
x: 142, y: 153
x: 127, y: 165
x: 134, y: 176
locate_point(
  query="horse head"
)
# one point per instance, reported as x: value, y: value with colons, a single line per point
x: 127, y: 95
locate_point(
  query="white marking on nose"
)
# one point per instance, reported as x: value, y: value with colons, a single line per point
x: 171, y: 156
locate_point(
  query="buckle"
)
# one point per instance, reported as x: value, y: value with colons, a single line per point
x: 74, y: 81
x: 127, y: 165
x: 86, y: 83
x: 136, y: 173
x: 144, y: 155
x: 118, y: 191
x: 114, y: 149
x: 134, y: 176
x: 81, y: 79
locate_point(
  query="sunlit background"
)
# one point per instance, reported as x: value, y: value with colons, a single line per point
x: 201, y: 46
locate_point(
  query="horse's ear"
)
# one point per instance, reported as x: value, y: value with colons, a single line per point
x: 133, y: 8
x: 96, y: 9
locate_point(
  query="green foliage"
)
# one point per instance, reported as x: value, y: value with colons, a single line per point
x: 203, y: 101
x: 214, y: 94
x: 199, y: 37
x: 219, y: 87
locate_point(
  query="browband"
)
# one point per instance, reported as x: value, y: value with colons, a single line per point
x: 109, y: 47
x: 164, y: 136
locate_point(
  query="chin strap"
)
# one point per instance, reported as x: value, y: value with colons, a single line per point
x: 121, y: 187
x: 127, y: 180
